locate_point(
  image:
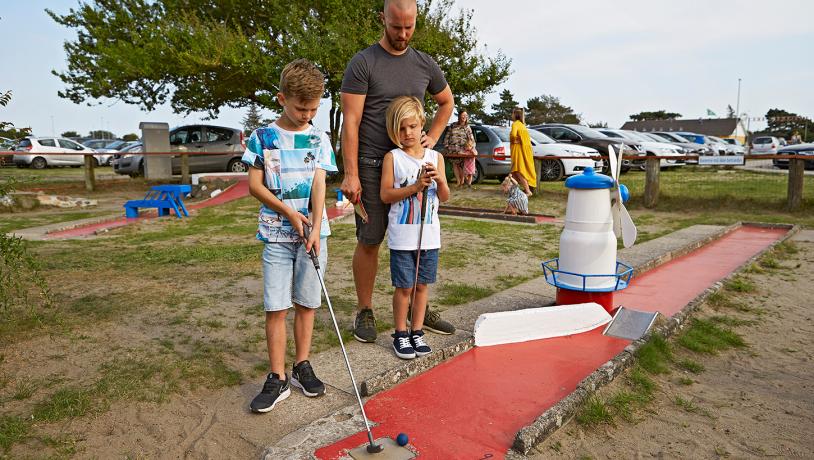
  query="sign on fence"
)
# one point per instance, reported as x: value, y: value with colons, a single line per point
x: 721, y: 160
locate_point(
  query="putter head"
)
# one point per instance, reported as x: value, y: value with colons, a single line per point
x: 374, y: 448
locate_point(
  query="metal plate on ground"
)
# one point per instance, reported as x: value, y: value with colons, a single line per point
x: 630, y: 324
x: 392, y: 451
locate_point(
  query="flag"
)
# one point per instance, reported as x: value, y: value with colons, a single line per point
x: 710, y: 113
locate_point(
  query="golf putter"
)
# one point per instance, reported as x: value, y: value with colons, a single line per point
x: 420, y: 236
x: 372, y: 447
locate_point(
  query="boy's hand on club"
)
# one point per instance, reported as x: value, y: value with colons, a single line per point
x: 313, y: 239
x: 432, y: 171
x: 297, y: 221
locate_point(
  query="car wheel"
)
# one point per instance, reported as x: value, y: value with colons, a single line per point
x: 237, y: 166
x: 551, y: 170
x: 39, y: 163
x: 478, y: 174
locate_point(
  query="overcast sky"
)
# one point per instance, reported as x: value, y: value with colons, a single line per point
x: 605, y: 59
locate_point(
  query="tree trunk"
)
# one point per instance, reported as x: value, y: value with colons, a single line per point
x: 796, y: 178
x: 651, y: 182
x: 90, y: 177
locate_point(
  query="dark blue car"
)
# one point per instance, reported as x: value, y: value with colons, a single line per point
x: 795, y: 149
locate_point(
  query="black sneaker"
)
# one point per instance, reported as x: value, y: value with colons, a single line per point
x: 402, y: 345
x: 433, y: 322
x: 364, y: 328
x: 303, y: 377
x: 419, y: 345
x: 274, y: 391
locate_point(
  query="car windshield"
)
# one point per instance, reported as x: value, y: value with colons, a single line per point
x: 689, y: 137
x: 116, y: 145
x: 654, y: 138
x: 540, y: 137
x: 636, y: 136
x: 502, y: 133
x: 763, y: 140
x: 586, y: 131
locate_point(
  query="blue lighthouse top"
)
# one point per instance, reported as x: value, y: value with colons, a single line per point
x: 589, y: 180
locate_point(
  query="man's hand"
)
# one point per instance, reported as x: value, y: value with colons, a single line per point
x: 352, y: 188
x: 427, y: 141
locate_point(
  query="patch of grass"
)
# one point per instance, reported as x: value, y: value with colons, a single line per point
x: 509, y: 281
x: 769, y: 262
x: 211, y: 323
x: 624, y: 403
x: 242, y: 325
x: 67, y: 402
x: 260, y: 368
x: 705, y: 336
x: 686, y: 381
x: 691, y: 407
x: 453, y: 293
x: 754, y: 268
x: 24, y: 389
x: 655, y: 355
x: 640, y: 382
x: 13, y: 429
x: 594, y: 412
x: 740, y: 284
x: 731, y: 321
x: 691, y: 366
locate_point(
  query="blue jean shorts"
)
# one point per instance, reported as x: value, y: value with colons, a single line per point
x: 289, y: 276
x: 402, y: 267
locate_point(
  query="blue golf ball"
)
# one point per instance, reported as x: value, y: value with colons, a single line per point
x: 402, y: 439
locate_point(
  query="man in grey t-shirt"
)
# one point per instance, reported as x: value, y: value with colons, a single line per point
x: 374, y: 77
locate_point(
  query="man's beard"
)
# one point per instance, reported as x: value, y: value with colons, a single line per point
x: 397, y: 45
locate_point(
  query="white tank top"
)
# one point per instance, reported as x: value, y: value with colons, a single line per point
x: 403, y: 221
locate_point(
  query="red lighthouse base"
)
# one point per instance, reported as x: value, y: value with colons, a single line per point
x: 568, y: 297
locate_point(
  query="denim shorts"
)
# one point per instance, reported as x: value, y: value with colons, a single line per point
x: 370, y: 176
x: 402, y: 267
x: 289, y: 276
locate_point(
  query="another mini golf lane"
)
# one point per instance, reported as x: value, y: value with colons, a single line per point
x: 473, y: 405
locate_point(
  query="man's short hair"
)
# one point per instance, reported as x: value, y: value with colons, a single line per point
x: 301, y: 79
x: 402, y: 108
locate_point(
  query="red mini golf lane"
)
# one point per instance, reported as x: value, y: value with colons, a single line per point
x: 471, y: 406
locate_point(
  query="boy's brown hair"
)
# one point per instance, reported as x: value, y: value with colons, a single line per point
x: 301, y: 79
x: 401, y: 108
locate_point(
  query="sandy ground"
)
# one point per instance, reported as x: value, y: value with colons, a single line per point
x: 752, y: 402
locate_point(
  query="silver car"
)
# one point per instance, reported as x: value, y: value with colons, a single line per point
x: 210, y: 149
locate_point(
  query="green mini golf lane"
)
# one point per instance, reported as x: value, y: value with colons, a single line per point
x: 471, y: 406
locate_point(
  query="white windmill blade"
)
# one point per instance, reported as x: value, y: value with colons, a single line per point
x: 627, y: 227
x: 615, y: 196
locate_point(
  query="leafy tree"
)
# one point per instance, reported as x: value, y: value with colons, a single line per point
x: 598, y: 124
x: 657, y: 115
x: 7, y: 129
x: 252, y: 120
x: 70, y: 134
x: 101, y: 134
x: 782, y: 123
x: 548, y: 109
x: 200, y: 55
x: 130, y: 137
x: 501, y: 111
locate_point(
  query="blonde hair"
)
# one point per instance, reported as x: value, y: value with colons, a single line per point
x: 519, y: 114
x: 301, y: 79
x: 402, y: 108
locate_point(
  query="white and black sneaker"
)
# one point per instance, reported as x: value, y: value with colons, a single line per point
x: 303, y: 377
x: 402, y: 345
x: 419, y: 345
x: 274, y: 390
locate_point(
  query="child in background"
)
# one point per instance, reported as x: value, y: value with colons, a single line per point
x: 403, y: 187
x: 287, y: 163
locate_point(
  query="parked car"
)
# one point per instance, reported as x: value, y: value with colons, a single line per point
x: 795, y: 149
x: 553, y: 170
x: 197, y: 140
x: 130, y: 161
x: 37, y: 152
x: 97, y: 144
x: 588, y: 137
x: 731, y: 149
x: 694, y: 147
x: 702, y: 139
x: 651, y: 147
x: 765, y: 144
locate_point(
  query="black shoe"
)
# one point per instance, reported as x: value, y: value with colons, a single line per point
x: 433, y: 322
x: 419, y: 345
x: 303, y: 377
x: 364, y: 328
x: 274, y: 391
x: 402, y: 345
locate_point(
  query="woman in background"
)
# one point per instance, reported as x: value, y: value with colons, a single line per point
x: 522, y: 156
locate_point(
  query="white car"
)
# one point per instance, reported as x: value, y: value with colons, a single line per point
x: 650, y: 147
x: 38, y: 152
x: 765, y: 144
x: 731, y: 149
x: 553, y: 170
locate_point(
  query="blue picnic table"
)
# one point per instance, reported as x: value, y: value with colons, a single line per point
x: 161, y: 197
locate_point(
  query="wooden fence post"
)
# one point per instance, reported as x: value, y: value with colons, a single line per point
x: 651, y: 182
x: 185, y: 169
x: 90, y: 177
x: 795, y: 190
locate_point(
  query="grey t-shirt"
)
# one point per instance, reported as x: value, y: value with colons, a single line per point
x: 382, y: 77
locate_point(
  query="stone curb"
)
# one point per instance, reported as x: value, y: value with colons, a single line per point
x: 562, y: 412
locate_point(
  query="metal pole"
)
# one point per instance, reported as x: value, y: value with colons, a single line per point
x: 738, y: 104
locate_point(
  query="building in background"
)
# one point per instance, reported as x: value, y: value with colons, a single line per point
x: 726, y: 128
